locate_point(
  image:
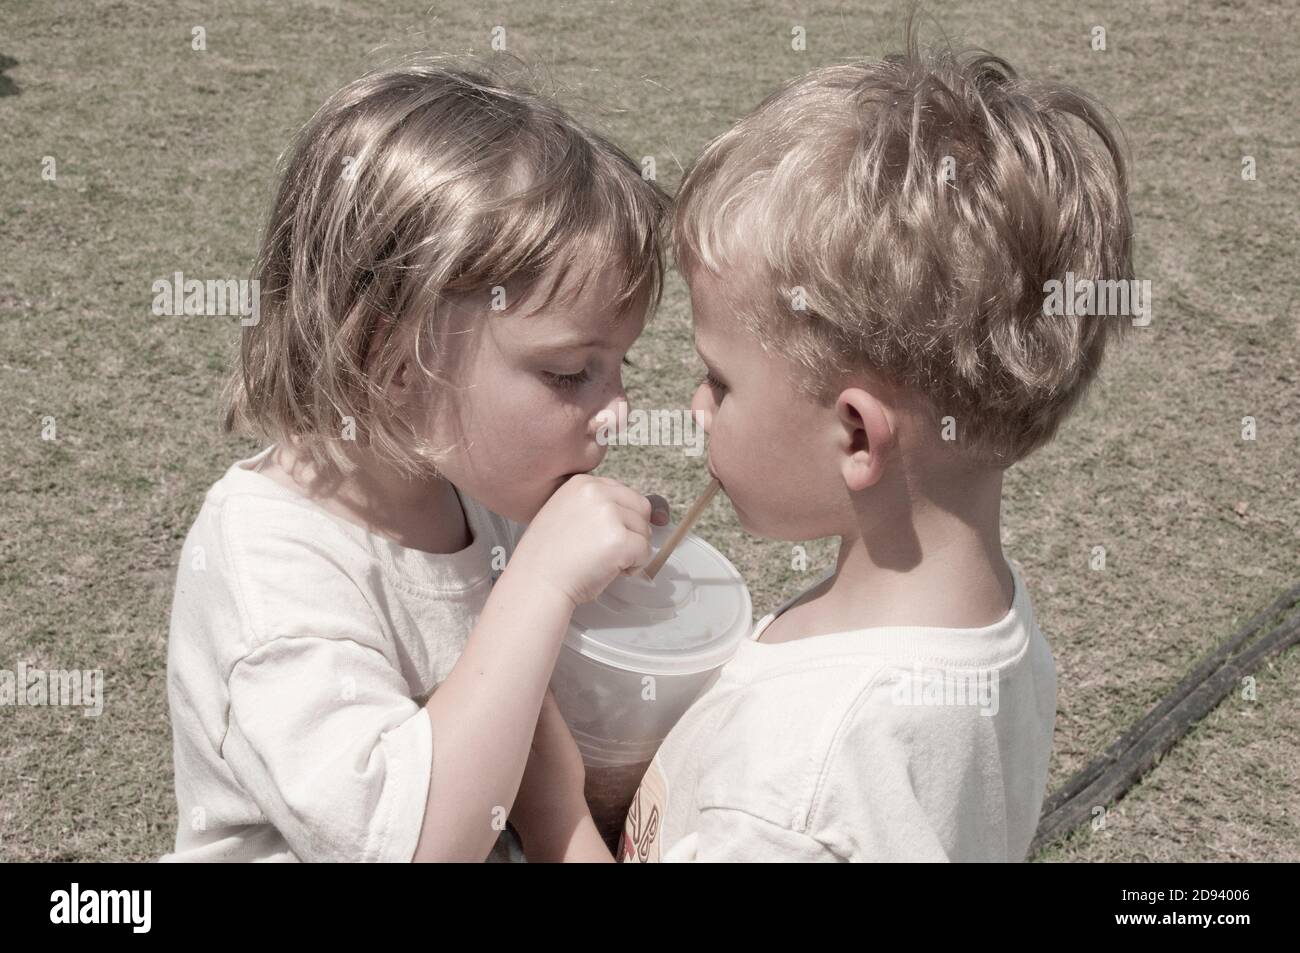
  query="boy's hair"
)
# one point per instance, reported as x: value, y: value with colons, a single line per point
x: 409, y: 187
x: 916, y: 207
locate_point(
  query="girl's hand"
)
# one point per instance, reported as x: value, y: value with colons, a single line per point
x: 589, y: 532
x: 550, y: 804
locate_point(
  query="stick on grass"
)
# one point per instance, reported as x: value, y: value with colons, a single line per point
x: 1108, y: 778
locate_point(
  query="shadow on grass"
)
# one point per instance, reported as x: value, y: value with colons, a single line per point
x: 7, y: 86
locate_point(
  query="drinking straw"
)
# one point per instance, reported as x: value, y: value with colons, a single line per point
x: 682, y: 529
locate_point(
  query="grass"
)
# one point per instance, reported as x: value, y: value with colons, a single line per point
x: 164, y: 157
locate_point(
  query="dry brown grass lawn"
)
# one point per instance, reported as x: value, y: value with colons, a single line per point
x: 164, y: 157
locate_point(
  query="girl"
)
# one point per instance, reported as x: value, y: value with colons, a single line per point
x: 451, y: 276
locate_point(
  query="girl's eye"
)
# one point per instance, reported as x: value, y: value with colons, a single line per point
x: 715, y: 385
x: 566, y: 381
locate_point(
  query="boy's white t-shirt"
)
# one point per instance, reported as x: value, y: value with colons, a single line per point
x: 859, y: 746
x: 302, y: 649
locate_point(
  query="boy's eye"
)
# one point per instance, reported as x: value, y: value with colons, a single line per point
x: 566, y: 381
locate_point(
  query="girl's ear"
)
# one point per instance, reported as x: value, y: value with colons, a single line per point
x: 399, y: 387
x: 868, y: 437
x: 397, y: 392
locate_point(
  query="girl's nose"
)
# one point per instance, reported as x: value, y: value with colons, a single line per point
x: 608, y: 416
x: 702, y: 405
x: 617, y: 403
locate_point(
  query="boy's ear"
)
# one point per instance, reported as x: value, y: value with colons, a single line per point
x: 868, y: 437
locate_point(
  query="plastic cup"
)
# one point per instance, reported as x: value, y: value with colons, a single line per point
x: 636, y: 658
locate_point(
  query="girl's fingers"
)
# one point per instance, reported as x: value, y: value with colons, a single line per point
x: 635, y: 524
x: 630, y: 499
x: 653, y: 508
x: 637, y: 552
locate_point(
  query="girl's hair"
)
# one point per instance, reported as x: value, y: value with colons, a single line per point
x: 904, y: 217
x: 408, y: 188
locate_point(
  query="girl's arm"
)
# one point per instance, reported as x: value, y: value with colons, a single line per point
x: 551, y: 814
x: 484, y: 713
x: 582, y: 846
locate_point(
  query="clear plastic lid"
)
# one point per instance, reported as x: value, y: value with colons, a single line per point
x: 690, y: 618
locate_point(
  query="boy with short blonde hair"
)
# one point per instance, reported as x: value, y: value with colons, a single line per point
x: 902, y: 218
x: 867, y: 254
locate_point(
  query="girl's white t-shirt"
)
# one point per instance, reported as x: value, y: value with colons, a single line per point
x: 301, y: 651
x: 880, y: 744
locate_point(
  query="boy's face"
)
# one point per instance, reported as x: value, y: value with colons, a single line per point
x: 522, y: 411
x: 772, y: 448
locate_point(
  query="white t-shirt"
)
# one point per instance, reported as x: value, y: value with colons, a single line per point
x: 301, y: 651
x: 880, y: 744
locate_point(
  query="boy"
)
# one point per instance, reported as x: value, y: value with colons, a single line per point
x: 867, y: 254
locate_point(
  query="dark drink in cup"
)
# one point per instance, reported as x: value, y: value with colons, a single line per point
x: 636, y: 658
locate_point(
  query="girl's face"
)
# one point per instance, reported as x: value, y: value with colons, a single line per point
x: 521, y: 411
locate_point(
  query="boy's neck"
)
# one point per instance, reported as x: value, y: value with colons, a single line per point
x: 935, y: 561
x: 422, y: 514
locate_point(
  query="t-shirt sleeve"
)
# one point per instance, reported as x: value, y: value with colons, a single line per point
x: 727, y: 835
x: 515, y: 532
x: 325, y: 739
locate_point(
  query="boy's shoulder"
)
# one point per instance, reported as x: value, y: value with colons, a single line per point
x: 767, y: 729
x: 849, y: 762
x: 855, y: 728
